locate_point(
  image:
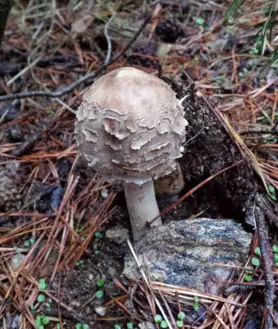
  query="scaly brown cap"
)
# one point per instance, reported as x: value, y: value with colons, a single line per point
x: 130, y: 126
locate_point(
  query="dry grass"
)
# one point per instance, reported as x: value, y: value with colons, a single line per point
x: 41, y: 33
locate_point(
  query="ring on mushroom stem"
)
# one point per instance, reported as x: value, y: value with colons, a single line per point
x: 130, y: 128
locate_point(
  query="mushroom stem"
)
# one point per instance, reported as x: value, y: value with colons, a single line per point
x: 142, y: 206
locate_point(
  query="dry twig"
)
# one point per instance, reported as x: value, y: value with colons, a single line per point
x: 85, y: 79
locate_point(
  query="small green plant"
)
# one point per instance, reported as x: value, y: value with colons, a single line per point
x: 243, y: 73
x: 255, y: 261
x: 200, y: 21
x: 29, y: 242
x: 42, y: 284
x: 257, y: 251
x: 100, y: 292
x: 116, y: 326
x: 129, y: 325
x: 41, y: 298
x: 96, y: 249
x: 248, y: 275
x: 99, y: 235
x: 79, y: 262
x: 100, y: 283
x: 196, y: 303
x: 41, y: 321
x: 180, y: 319
x: 271, y: 192
x: 158, y: 318
x: 81, y: 326
x: 275, y: 254
x: 181, y: 316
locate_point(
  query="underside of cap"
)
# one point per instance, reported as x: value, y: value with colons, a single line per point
x: 130, y: 126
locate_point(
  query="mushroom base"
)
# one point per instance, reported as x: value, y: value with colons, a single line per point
x: 142, y: 207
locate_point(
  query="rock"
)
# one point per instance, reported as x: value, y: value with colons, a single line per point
x: 146, y: 325
x: 117, y: 234
x: 100, y: 310
x: 16, y: 260
x: 187, y: 253
x: 10, y: 181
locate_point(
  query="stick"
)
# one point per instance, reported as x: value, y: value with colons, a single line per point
x: 148, y: 284
x: 85, y: 78
x: 267, y: 263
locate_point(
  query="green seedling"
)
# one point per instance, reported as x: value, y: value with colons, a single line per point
x: 29, y: 242
x: 243, y: 73
x: 100, y: 283
x: 248, y: 276
x: 99, y: 235
x: 81, y: 326
x: 196, y: 303
x: 200, y: 21
x: 181, y: 316
x: 16, y: 250
x: 42, y: 284
x: 96, y: 250
x: 99, y: 294
x: 79, y: 262
x: 275, y: 254
x: 257, y: 251
x: 41, y: 298
x: 163, y: 324
x: 158, y: 318
x: 271, y: 192
x: 116, y: 326
x: 255, y: 261
x: 41, y: 321
x: 179, y: 324
x: 129, y: 325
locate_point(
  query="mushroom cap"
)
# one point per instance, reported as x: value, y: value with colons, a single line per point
x: 130, y: 126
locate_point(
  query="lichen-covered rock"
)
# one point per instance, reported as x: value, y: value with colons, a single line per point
x: 10, y: 194
x: 189, y: 253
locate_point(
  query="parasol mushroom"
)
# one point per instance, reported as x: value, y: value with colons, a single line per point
x: 130, y: 128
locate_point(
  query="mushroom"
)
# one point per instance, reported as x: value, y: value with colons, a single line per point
x: 130, y: 128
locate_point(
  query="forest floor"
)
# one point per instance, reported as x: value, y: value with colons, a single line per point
x: 58, y: 268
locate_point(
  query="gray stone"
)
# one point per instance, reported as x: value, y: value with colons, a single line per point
x: 117, y: 234
x: 188, y: 253
x: 146, y: 325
